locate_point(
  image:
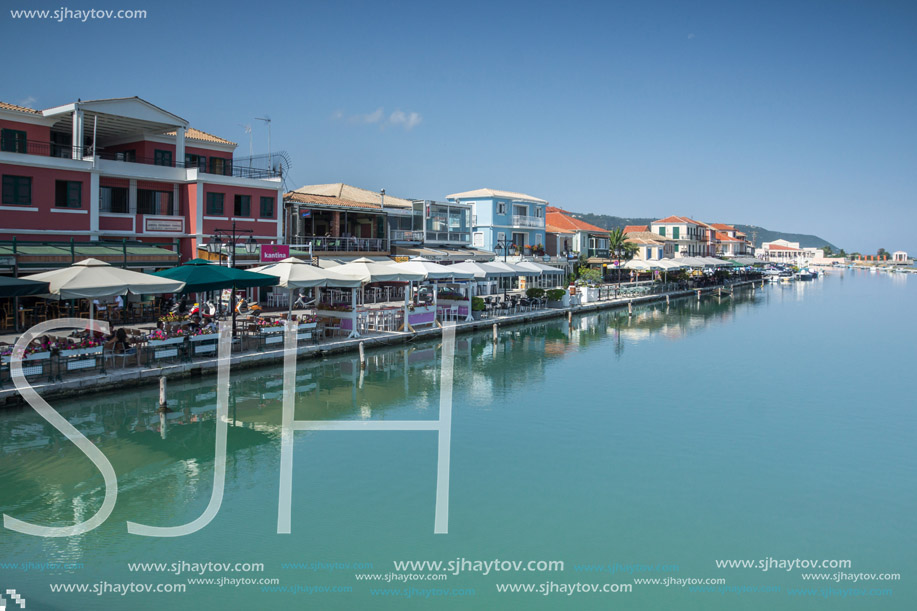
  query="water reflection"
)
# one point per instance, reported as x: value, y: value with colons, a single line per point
x: 164, y: 461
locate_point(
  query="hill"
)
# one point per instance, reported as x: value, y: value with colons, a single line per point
x: 761, y: 234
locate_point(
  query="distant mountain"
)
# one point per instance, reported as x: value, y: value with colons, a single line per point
x: 760, y: 233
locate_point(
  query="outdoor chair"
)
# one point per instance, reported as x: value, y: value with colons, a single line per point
x: 7, y: 319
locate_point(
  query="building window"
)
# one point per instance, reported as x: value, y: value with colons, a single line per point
x: 539, y: 212
x: 17, y: 190
x: 196, y: 161
x: 113, y: 199
x: 676, y: 248
x: 218, y: 165
x: 215, y: 203
x: 162, y: 158
x: 676, y: 232
x: 501, y: 207
x: 267, y: 207
x: 243, y: 205
x: 154, y: 202
x: 12, y: 141
x: 68, y: 194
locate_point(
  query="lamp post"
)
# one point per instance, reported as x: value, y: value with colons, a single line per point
x: 216, y: 247
x: 504, y: 246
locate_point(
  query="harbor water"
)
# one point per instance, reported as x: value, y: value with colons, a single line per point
x: 773, y: 425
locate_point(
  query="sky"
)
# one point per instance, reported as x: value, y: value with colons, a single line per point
x: 795, y: 116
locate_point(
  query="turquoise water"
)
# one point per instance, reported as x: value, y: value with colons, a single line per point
x: 778, y: 423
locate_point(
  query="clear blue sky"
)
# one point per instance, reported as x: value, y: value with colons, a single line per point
x: 797, y: 116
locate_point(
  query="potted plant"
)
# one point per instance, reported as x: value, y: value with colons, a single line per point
x: 527, y: 249
x: 477, y: 306
x: 539, y: 250
x: 556, y: 298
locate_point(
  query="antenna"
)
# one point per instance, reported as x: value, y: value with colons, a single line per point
x: 267, y: 120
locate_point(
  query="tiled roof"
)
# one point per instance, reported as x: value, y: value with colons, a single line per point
x: 200, y: 136
x: 355, y: 194
x: 635, y: 228
x: 495, y: 193
x: 722, y: 226
x: 326, y: 200
x: 780, y: 247
x: 567, y: 223
x: 6, y: 106
x: 723, y: 237
x: 669, y: 220
x: 649, y: 235
x: 643, y: 241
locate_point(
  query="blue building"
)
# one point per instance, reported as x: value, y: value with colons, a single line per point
x: 499, y: 216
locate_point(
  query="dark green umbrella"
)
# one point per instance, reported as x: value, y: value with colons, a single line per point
x: 200, y: 276
x: 18, y: 287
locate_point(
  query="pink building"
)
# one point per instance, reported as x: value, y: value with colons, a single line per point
x: 108, y: 170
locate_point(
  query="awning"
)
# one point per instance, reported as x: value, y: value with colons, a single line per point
x: 17, y: 287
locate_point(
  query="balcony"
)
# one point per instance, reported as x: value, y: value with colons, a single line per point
x: 462, y: 237
x: 520, y: 220
x: 217, y: 166
x: 333, y: 244
x: 601, y: 253
x: 405, y: 235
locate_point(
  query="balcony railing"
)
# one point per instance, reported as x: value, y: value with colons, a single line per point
x: 448, y: 236
x: 404, y: 235
x: 602, y: 253
x: 221, y: 167
x: 520, y: 220
x: 332, y: 244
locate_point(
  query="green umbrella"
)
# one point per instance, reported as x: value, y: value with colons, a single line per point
x: 18, y: 287
x: 200, y: 276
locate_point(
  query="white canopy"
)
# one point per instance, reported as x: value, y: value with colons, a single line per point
x: 670, y: 264
x: 433, y: 271
x: 714, y: 262
x: 514, y: 269
x: 541, y: 267
x: 638, y: 264
x: 296, y: 273
x: 482, y: 271
x: 91, y: 279
x: 368, y: 270
x: 692, y: 261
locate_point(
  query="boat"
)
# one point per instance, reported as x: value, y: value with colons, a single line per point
x: 805, y: 274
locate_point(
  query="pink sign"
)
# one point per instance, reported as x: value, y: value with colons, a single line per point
x: 271, y: 253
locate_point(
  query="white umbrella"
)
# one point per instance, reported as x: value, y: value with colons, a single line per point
x: 368, y: 270
x: 433, y: 271
x: 91, y: 279
x: 295, y: 273
x: 638, y: 264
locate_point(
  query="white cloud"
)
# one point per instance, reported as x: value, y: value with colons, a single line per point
x: 373, y: 117
x: 28, y: 102
x: 398, y: 118
x: 408, y: 120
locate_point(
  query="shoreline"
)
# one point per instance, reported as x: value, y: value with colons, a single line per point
x: 142, y: 376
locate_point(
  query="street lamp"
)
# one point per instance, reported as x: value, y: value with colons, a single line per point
x: 227, y: 238
x: 503, y: 244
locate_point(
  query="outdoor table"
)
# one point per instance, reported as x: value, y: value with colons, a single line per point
x: 22, y: 315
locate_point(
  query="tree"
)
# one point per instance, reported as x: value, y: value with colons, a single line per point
x: 827, y: 250
x: 616, y: 239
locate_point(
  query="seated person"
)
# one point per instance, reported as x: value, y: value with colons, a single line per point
x: 118, y: 342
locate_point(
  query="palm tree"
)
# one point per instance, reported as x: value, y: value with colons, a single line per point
x: 618, y: 244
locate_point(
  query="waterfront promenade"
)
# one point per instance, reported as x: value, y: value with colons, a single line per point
x: 129, y: 376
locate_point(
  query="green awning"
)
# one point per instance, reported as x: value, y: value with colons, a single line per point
x: 17, y: 287
x: 200, y: 275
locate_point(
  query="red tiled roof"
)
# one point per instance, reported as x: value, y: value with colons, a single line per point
x: 7, y: 106
x: 722, y: 226
x: 565, y: 223
x: 780, y: 247
x: 635, y: 228
x: 202, y: 136
x: 678, y: 219
x: 722, y: 237
x: 326, y: 200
